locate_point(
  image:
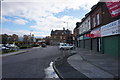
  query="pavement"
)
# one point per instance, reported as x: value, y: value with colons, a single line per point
x: 86, y: 64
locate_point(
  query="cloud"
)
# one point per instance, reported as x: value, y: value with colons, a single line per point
x: 52, y: 22
x: 16, y: 21
x: 18, y: 32
x: 5, y: 20
x: 37, y: 8
x: 23, y: 32
x: 20, y: 21
x: 42, y: 12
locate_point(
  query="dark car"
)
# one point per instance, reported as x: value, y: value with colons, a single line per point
x: 43, y: 45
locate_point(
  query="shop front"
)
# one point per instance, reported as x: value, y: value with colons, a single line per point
x: 110, y: 35
x: 87, y: 41
x: 96, y: 40
x: 81, y: 43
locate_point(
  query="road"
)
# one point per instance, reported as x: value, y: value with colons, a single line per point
x: 31, y: 64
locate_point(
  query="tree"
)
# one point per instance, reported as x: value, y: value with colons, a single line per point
x: 4, y: 38
x: 47, y: 40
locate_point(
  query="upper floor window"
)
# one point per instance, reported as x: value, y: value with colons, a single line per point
x: 85, y: 26
x: 94, y: 22
x: 64, y: 37
x: 98, y: 19
x: 54, y: 37
x: 88, y: 23
x: 60, y: 37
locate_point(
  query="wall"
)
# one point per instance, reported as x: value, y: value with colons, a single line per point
x: 106, y: 16
x: 94, y: 15
x: 85, y: 26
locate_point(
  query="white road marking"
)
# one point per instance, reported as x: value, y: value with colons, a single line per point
x: 50, y: 73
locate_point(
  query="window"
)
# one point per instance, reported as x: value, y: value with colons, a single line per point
x: 54, y: 37
x: 82, y: 28
x: 60, y: 37
x: 64, y: 37
x: 88, y: 24
x: 98, y: 19
x: 85, y: 26
x: 94, y: 23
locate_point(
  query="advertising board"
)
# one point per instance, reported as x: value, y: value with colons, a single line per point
x: 112, y: 28
x: 95, y: 33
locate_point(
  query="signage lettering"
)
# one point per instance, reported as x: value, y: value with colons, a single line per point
x: 95, y: 33
x: 111, y: 28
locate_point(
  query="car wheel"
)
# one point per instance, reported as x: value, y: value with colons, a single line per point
x: 61, y: 48
x: 72, y: 48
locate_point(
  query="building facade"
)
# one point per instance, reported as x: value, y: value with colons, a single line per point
x: 84, y: 29
x: 100, y: 29
x: 60, y: 36
x: 76, y: 34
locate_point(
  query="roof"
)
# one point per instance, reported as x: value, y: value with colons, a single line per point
x: 61, y: 31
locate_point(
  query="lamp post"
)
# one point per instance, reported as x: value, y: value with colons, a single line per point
x: 67, y: 24
x: 30, y: 36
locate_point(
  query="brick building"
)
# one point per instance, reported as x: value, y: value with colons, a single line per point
x: 59, y: 36
x: 103, y: 33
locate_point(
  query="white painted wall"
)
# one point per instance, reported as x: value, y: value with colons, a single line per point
x: 85, y: 26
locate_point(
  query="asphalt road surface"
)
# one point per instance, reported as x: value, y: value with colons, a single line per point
x: 31, y: 64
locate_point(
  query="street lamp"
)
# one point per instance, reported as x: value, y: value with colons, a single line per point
x: 30, y: 36
x: 67, y: 24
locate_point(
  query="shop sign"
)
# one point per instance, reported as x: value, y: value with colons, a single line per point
x: 95, y: 33
x: 112, y: 28
x: 114, y: 8
x: 81, y: 38
x: 87, y: 36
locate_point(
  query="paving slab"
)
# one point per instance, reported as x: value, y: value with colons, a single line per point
x: 86, y: 68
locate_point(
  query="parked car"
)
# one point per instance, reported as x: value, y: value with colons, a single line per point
x: 12, y: 46
x: 43, y: 45
x: 2, y: 47
x: 64, y: 46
